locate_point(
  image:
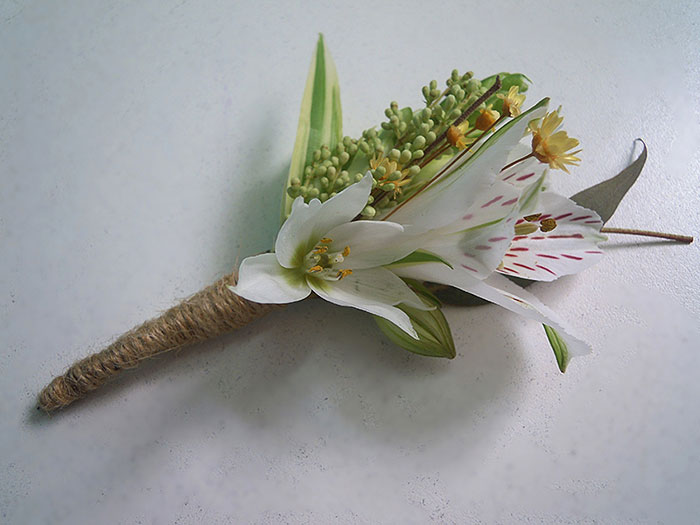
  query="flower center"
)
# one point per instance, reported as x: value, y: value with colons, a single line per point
x: 321, y: 263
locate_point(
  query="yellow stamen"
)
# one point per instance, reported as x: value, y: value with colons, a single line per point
x: 320, y: 249
x: 326, y: 240
x: 547, y: 225
x: 346, y: 251
x: 486, y: 118
x: 315, y: 269
x: 343, y: 273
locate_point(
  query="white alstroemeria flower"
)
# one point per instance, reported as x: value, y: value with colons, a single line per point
x: 321, y: 249
x: 506, y: 223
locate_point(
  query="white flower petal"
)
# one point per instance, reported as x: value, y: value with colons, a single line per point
x: 293, y: 237
x: 371, y: 243
x: 569, y: 248
x: 261, y: 279
x: 446, y: 199
x: 376, y: 291
x: 499, y: 290
x: 509, y: 295
x: 307, y: 223
x: 478, y: 240
x: 342, y: 208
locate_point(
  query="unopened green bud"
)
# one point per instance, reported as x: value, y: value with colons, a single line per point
x: 388, y: 113
x: 426, y: 92
x: 433, y: 84
x: 396, y: 175
x: 325, y: 153
x: 418, y: 154
x: 358, y: 176
x: 324, y: 182
x: 394, y: 120
x: 426, y: 114
x: 323, y: 197
x: 386, y: 125
x: 320, y: 170
x: 405, y: 157
x: 343, y: 158
x: 295, y: 181
x: 424, y: 128
x: 368, y: 211
x: 473, y: 85
x: 381, y: 170
x: 402, y: 127
x: 419, y: 142
x: 450, y: 102
x: 389, y: 186
x: 313, y: 192
x: 347, y: 141
x: 394, y: 155
x: 454, y: 114
x: 334, y: 160
x: 292, y: 192
x: 455, y: 75
x: 317, y: 155
x: 394, y: 105
x: 430, y: 137
x: 413, y: 171
x: 308, y: 170
x: 370, y: 199
x: 331, y: 171
x: 364, y: 147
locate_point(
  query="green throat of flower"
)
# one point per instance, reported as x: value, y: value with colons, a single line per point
x: 322, y: 263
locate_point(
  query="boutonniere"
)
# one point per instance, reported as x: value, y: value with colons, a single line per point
x: 453, y: 202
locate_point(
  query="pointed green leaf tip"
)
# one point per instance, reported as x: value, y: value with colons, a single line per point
x: 561, y: 352
x: 605, y: 197
x: 320, y: 118
x: 435, y: 337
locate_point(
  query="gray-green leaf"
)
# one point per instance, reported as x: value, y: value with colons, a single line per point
x: 604, y: 198
x: 320, y: 118
x: 435, y: 336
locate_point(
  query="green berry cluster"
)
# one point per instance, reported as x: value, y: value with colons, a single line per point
x: 395, y: 154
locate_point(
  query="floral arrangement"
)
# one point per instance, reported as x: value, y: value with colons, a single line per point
x: 447, y: 203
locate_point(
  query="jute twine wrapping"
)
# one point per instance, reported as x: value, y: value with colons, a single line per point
x: 207, y: 314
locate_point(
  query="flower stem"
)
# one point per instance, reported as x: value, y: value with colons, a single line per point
x: 532, y: 154
x: 686, y: 239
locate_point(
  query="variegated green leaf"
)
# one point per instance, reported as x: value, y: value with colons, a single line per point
x: 320, y: 118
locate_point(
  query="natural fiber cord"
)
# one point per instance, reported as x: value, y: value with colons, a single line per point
x: 207, y: 314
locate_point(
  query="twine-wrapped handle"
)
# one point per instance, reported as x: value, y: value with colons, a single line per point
x: 207, y: 314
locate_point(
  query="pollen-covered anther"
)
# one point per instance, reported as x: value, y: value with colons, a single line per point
x: 525, y: 228
x: 547, y: 225
x: 315, y: 269
x: 326, y: 240
x: 320, y: 249
x: 346, y: 251
x: 533, y: 218
x: 343, y: 273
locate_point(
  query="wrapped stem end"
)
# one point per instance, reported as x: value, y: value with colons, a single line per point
x: 207, y: 314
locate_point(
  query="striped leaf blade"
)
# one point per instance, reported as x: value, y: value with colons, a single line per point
x: 320, y: 118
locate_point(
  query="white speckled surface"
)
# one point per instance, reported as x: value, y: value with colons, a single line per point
x: 142, y: 149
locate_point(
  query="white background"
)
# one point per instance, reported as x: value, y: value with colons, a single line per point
x: 143, y: 147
